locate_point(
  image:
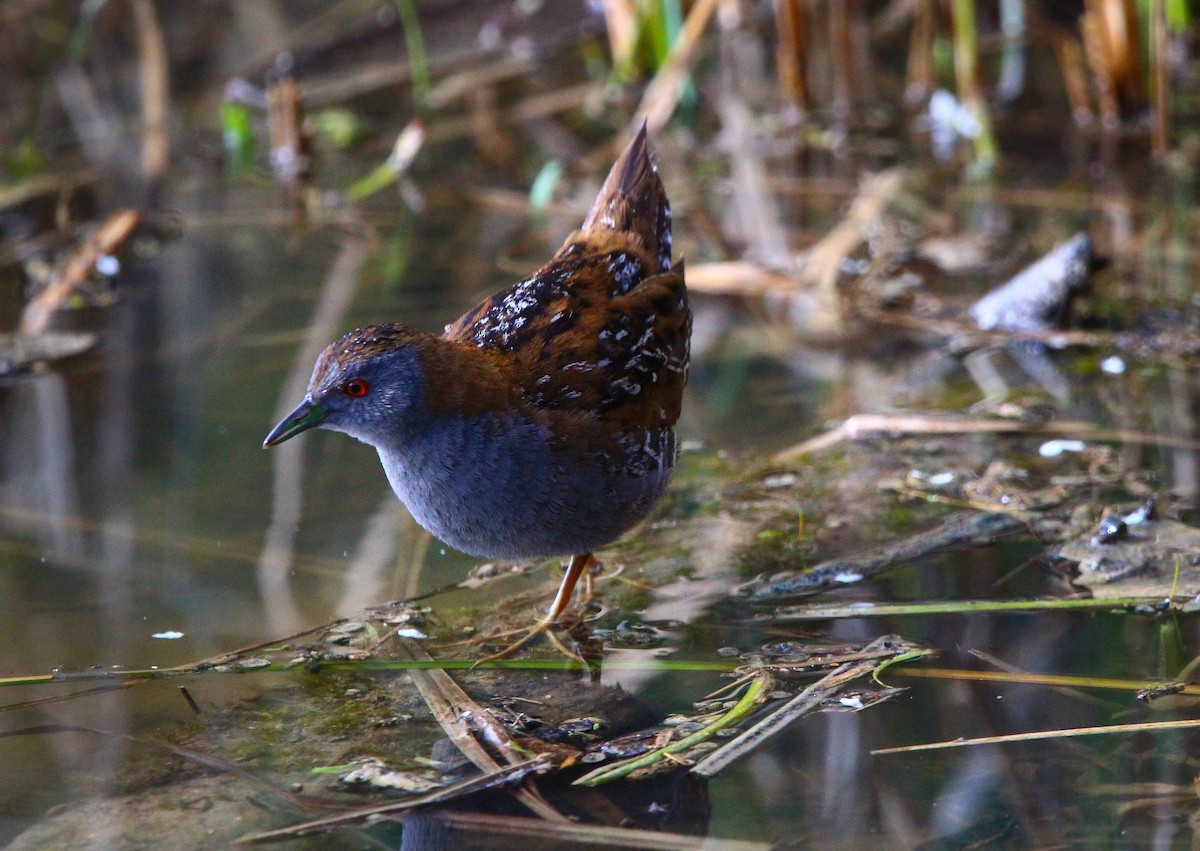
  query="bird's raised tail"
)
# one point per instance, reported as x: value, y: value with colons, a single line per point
x: 632, y: 199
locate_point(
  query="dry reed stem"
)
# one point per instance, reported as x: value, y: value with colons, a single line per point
x: 104, y: 240
x: 662, y: 95
x: 456, y: 712
x: 823, y: 263
x: 155, y: 90
x: 861, y: 426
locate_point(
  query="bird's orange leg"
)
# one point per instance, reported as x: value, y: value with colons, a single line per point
x: 579, y: 564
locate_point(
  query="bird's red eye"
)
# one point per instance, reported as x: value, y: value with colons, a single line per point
x: 355, y: 387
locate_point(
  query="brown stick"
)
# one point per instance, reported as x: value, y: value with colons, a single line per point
x: 452, y: 708
x: 155, y: 90
x: 105, y: 239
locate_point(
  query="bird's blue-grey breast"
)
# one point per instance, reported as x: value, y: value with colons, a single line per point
x: 501, y: 486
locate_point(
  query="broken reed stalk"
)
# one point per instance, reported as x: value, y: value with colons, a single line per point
x: 662, y: 95
x: 1161, y: 92
x: 1028, y: 678
x: 754, y: 694
x: 823, y: 262
x: 861, y: 426
x: 966, y: 74
x: 106, y: 239
x: 155, y: 90
x: 393, y: 809
x: 621, y: 24
x: 121, y: 678
x: 791, y: 54
x: 809, y: 700
x: 829, y: 611
x: 1069, y: 733
x: 577, y: 833
x: 459, y: 716
x: 1008, y: 668
x: 404, y: 151
x: 802, y: 704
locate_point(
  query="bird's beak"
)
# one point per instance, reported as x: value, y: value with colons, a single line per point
x: 306, y: 416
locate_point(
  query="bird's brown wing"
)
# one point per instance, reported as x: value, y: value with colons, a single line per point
x: 604, y: 326
x: 583, y: 335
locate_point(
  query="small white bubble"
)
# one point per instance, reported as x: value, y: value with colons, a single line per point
x: 490, y: 36
x: 1054, y: 448
x: 1113, y: 365
x: 170, y: 635
x: 108, y: 265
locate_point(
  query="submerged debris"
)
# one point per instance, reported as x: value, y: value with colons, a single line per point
x: 375, y: 774
x: 1039, y: 297
x: 93, y: 254
x: 20, y: 352
x: 961, y: 530
x: 1150, y: 558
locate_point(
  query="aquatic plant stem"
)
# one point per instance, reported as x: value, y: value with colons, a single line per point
x: 1068, y: 733
x: 749, y: 700
x: 966, y: 73
x: 821, y: 611
x: 414, y: 42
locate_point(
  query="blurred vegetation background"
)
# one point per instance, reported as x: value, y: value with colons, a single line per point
x: 133, y: 85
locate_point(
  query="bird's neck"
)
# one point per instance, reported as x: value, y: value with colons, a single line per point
x: 463, y: 380
x: 458, y: 383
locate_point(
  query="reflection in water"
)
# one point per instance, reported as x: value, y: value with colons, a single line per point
x: 287, y: 494
x: 1180, y: 413
x: 39, y: 484
x: 686, y: 599
x: 364, y: 580
x: 115, y: 457
x: 967, y: 790
x: 102, y: 539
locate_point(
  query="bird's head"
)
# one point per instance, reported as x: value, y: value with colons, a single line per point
x: 367, y: 384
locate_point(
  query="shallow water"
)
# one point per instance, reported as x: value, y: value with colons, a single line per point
x: 136, y: 501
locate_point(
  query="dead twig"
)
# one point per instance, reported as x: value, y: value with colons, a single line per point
x: 587, y: 834
x: 453, y: 709
x: 108, y: 236
x: 737, y: 278
x: 823, y: 262
x: 362, y: 815
x: 805, y: 703
x: 155, y: 90
x: 664, y: 91
x: 863, y: 426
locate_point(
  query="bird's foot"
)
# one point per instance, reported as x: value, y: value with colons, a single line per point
x: 577, y: 569
x: 542, y: 627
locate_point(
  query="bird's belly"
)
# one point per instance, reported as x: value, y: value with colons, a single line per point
x: 501, y: 490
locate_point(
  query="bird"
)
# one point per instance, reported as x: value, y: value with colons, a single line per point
x: 541, y: 423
